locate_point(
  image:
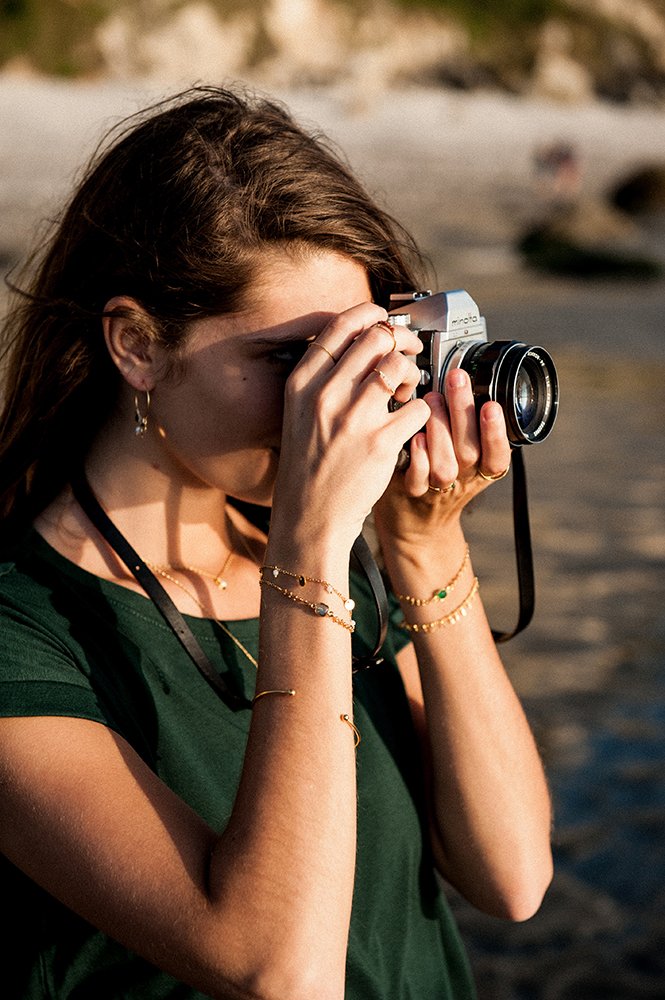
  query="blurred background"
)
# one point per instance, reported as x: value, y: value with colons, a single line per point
x: 523, y: 143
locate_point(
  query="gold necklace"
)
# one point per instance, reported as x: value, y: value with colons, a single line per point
x: 225, y: 630
x: 217, y: 578
x: 245, y: 544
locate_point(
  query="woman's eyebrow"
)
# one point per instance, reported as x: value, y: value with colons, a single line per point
x: 298, y: 336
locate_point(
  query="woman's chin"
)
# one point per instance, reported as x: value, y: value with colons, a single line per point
x: 258, y: 488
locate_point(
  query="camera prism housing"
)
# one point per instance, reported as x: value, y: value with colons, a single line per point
x: 520, y: 377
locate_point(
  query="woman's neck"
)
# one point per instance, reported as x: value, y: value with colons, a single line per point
x: 174, y: 522
x: 150, y: 496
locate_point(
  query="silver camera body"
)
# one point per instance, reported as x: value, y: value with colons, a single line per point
x: 522, y: 378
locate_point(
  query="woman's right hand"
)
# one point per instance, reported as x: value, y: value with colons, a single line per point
x: 340, y: 442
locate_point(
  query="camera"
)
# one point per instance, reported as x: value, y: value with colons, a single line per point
x: 520, y: 377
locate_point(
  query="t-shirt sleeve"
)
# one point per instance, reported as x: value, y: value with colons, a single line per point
x: 40, y: 674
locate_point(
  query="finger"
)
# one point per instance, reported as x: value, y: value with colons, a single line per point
x: 357, y: 338
x: 339, y: 333
x: 442, y: 459
x: 396, y: 374
x: 408, y: 420
x: 321, y: 347
x: 416, y: 476
x: 463, y: 421
x: 373, y: 345
x: 495, y: 446
x: 343, y: 330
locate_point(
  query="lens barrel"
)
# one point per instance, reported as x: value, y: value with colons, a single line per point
x: 522, y: 379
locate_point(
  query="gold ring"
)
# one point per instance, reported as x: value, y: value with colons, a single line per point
x: 444, y: 489
x: 385, y: 325
x: 387, y: 384
x: 315, y: 343
x: 493, y: 479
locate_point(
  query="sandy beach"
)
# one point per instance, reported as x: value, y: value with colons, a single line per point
x: 458, y: 170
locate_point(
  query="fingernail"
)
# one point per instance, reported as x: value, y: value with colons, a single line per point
x: 456, y: 378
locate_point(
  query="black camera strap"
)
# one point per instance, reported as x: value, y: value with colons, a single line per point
x: 153, y: 588
x: 523, y: 550
x: 148, y: 581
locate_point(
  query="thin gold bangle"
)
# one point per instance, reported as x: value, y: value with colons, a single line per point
x: 289, y: 692
x: 356, y: 735
x: 451, y: 619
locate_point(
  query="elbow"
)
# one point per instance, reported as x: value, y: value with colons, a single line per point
x: 276, y: 975
x: 286, y: 984
x: 259, y: 972
x: 522, y: 897
x: 514, y: 895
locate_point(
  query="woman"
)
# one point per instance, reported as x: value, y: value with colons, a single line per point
x: 206, y: 331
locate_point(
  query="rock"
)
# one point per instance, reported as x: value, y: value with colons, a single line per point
x: 556, y: 74
x: 642, y: 192
x: 592, y: 223
x: 191, y: 43
x: 588, y: 238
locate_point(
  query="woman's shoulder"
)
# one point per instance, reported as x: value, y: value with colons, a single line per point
x: 21, y: 579
x: 45, y: 602
x: 30, y: 570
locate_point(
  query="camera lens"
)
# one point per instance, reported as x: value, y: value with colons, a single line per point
x: 522, y: 380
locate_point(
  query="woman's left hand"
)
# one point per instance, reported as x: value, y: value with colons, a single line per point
x: 448, y: 462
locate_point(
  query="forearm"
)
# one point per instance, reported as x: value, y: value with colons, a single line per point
x: 287, y: 857
x: 489, y: 799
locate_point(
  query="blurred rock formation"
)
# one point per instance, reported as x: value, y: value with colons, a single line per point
x: 571, y: 50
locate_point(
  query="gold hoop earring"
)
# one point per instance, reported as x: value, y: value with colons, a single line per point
x: 141, y: 419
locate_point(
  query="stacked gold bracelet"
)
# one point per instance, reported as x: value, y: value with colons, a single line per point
x: 303, y: 580
x: 451, y: 619
x: 318, y: 607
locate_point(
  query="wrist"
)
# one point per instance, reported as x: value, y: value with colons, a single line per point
x: 320, y: 560
x: 423, y: 562
x: 429, y: 599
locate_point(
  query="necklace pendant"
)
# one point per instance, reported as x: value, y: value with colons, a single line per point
x: 222, y: 584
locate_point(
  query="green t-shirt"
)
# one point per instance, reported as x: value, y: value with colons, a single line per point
x: 75, y: 645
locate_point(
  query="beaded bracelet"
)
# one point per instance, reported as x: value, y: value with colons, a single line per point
x: 441, y: 592
x: 320, y: 609
x: 348, y: 602
x: 451, y: 619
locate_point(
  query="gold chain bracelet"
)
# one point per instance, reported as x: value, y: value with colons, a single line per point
x: 320, y: 609
x: 451, y: 619
x: 348, y: 602
x: 441, y: 592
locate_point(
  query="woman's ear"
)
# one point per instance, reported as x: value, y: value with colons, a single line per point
x: 128, y: 332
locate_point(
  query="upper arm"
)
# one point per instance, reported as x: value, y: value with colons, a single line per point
x: 85, y: 818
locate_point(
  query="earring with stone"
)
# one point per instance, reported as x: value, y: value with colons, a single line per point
x: 141, y: 419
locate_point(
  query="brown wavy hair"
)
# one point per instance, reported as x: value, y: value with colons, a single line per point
x: 174, y: 212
